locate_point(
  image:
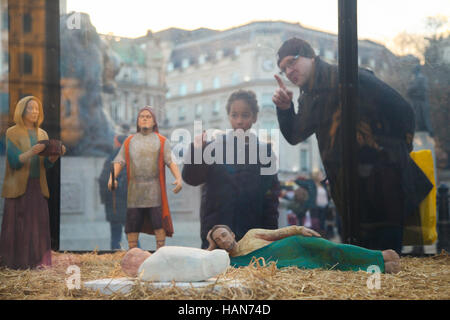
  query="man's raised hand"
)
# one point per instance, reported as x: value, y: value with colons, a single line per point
x: 282, y: 96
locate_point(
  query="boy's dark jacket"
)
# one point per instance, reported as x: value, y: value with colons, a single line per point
x: 237, y: 195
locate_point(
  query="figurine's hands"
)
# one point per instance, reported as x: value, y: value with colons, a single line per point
x: 282, y: 96
x: 37, y: 148
x: 33, y: 151
x: 178, y: 185
x: 212, y: 244
x: 309, y: 233
x: 110, y: 184
x: 54, y: 158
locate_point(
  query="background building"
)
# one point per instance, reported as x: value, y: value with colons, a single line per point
x: 186, y: 76
x: 189, y: 75
x: 205, y: 66
x: 140, y: 79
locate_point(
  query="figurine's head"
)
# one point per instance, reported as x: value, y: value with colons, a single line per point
x: 146, y: 120
x: 223, y: 237
x: 29, y: 111
x: 132, y: 261
x: 242, y: 109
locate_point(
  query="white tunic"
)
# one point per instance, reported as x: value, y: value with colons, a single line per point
x: 144, y: 190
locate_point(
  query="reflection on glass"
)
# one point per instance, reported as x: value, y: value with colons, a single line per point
x: 186, y: 74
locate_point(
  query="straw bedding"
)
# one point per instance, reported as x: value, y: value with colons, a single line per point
x: 426, y: 278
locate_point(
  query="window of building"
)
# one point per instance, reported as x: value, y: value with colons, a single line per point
x: 170, y: 67
x: 27, y: 23
x: 329, y: 55
x: 269, y: 125
x: 304, y: 160
x: 185, y: 63
x: 322, y: 51
x: 216, y: 107
x: 134, y: 75
x: 372, y: 63
x: 115, y: 110
x: 67, y: 108
x: 202, y: 59
x: 125, y: 106
x: 199, y: 86
x: 168, y: 116
x: 237, y: 51
x: 24, y: 94
x: 181, y: 113
x: 5, y: 21
x: 235, y: 78
x: 266, y: 101
x: 219, y: 54
x: 216, y: 83
x: 4, y: 102
x: 364, y: 61
x: 5, y: 58
x: 182, y: 90
x: 198, y: 110
x: 26, y: 63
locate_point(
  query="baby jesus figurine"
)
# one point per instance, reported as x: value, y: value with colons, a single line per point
x: 171, y: 263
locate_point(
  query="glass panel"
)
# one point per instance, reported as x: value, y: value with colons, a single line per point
x: 4, y: 94
x: 114, y: 62
x: 408, y: 54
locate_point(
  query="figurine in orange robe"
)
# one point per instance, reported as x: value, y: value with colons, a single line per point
x: 145, y: 155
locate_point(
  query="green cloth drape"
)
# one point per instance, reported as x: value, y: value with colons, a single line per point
x: 313, y: 252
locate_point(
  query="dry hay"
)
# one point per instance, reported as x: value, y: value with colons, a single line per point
x: 421, y: 278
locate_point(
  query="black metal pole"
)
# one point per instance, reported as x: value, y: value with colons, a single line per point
x: 348, y: 92
x: 52, y: 99
x: 443, y: 219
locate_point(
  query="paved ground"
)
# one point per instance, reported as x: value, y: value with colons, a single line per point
x: 96, y: 235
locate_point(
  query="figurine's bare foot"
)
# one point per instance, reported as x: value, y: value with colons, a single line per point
x: 391, y: 261
x: 392, y: 267
x: 160, y: 243
x: 390, y: 255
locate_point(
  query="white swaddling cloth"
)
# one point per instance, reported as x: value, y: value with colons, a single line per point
x: 183, y: 264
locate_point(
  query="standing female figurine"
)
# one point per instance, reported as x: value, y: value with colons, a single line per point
x: 25, y: 234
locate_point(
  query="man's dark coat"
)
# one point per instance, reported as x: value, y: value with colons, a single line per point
x: 391, y: 185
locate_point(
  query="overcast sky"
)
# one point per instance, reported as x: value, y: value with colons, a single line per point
x: 378, y: 20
